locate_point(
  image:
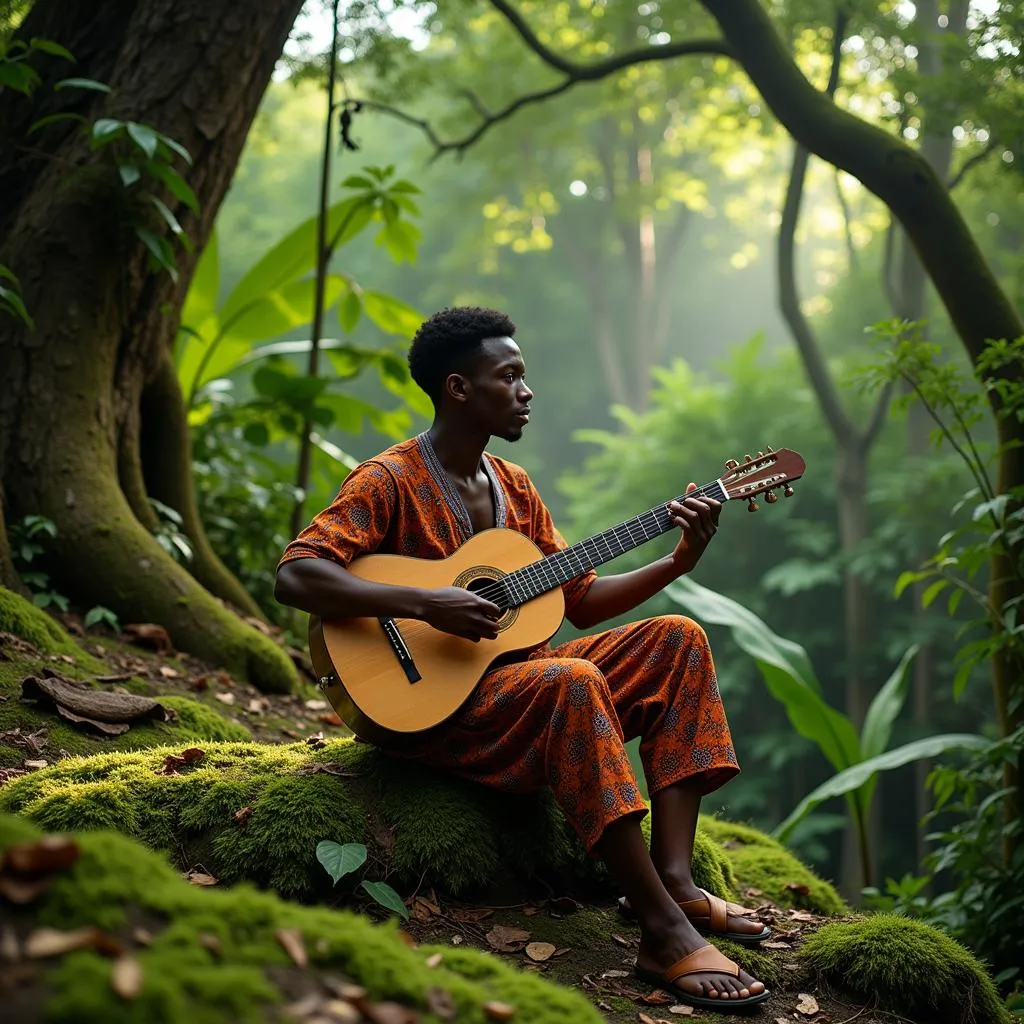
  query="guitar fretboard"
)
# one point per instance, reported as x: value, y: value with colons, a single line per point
x: 552, y: 571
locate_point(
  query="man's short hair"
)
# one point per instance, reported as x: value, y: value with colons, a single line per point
x: 448, y: 343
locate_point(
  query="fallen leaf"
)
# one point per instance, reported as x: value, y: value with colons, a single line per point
x: 146, y: 634
x: 50, y: 853
x: 530, y: 911
x: 607, y: 1007
x: 752, y: 892
x: 799, y: 888
x: 507, y: 940
x: 47, y: 942
x: 210, y: 943
x: 330, y: 719
x: 316, y: 740
x: 225, y: 698
x: 615, y: 974
x: 316, y: 705
x: 390, y: 1013
x: 433, y: 960
x: 142, y: 937
x: 470, y: 915
x: 681, y: 1010
x: 168, y: 673
x: 126, y: 977
x: 193, y: 755
x: 619, y: 940
x: 562, y: 951
x: 22, y: 891
x: 242, y: 815
x: 775, y: 944
x: 354, y: 994
x: 456, y: 940
x: 800, y: 915
x: 35, y: 765
x: 495, y: 1010
x: 200, y: 878
x: 290, y: 939
x: 564, y: 904
x: 339, y: 1012
x: 644, y: 1019
x: 806, y: 1004
x: 540, y: 951
x: 423, y: 910
x: 258, y: 705
x: 441, y: 1004
x: 659, y: 997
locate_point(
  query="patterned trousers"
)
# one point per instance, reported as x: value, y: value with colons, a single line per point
x: 561, y: 718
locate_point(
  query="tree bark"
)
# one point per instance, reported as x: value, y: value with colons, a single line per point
x: 196, y: 71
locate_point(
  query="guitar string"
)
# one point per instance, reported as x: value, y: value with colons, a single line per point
x: 543, y: 570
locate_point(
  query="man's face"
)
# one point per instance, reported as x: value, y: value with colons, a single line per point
x: 497, y: 398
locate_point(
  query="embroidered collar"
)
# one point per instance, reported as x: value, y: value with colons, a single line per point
x: 451, y: 493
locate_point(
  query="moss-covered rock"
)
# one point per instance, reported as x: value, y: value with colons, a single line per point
x: 760, y: 862
x: 421, y: 826
x: 213, y: 955
x: 25, y: 620
x: 909, y: 967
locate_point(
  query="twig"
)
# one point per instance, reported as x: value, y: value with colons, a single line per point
x: 971, y: 162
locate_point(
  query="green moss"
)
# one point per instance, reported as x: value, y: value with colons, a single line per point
x: 200, y: 721
x: 115, y: 882
x: 909, y: 966
x: 760, y: 862
x: 24, y: 619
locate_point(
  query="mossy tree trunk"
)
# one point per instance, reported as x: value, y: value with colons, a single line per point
x: 906, y: 182
x: 71, y: 409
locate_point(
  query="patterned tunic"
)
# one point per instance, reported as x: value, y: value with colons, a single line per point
x: 559, y: 717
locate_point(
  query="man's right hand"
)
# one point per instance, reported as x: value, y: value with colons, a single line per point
x: 462, y: 613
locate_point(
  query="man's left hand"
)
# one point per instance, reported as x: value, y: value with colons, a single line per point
x: 698, y: 520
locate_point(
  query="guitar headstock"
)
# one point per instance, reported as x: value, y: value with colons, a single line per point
x: 762, y: 474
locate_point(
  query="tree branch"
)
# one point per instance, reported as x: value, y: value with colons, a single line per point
x: 971, y: 162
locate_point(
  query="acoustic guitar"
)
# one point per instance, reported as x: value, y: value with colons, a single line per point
x: 391, y: 678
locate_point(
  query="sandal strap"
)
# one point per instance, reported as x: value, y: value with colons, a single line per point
x: 734, y: 909
x: 706, y: 959
x: 717, y: 911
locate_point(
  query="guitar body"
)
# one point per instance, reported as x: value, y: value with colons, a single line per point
x: 364, y: 678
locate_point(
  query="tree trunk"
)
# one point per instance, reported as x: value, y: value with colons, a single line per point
x: 69, y: 411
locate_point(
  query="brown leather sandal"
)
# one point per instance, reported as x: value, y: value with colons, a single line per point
x: 707, y: 959
x: 710, y: 915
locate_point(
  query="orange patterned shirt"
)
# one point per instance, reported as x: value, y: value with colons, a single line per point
x: 402, y: 502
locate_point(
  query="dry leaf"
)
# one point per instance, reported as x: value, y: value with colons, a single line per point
x: 562, y: 951
x: 775, y: 944
x: 126, y: 977
x: 615, y: 974
x: 540, y: 951
x: 211, y: 943
x: 35, y: 765
x: 507, y: 940
x: 659, y: 997
x: 242, y: 815
x: 618, y: 939
x: 390, y: 1013
x: 799, y: 888
x: 806, y: 1004
x: 316, y: 705
x: 339, y: 1012
x: 433, y: 960
x: 456, y: 940
x: 146, y: 634
x: 441, y: 1004
x: 316, y: 740
x: 563, y: 904
x: 168, y: 673
x: 644, y: 1019
x: 142, y: 937
x: 331, y: 718
x: 47, y: 942
x: 800, y: 915
x: 530, y: 911
x: 752, y: 892
x: 48, y: 854
x: 471, y: 915
x: 200, y: 878
x: 495, y: 1010
x: 424, y: 909
x: 291, y: 941
x: 225, y: 698
x: 681, y: 1010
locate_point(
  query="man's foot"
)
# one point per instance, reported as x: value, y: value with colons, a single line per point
x: 694, y: 971
x: 713, y: 916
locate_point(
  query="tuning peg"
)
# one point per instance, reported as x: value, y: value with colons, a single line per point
x: 760, y: 455
x: 788, y: 490
x: 769, y: 449
x: 731, y: 464
x: 771, y: 497
x: 747, y: 458
x: 752, y: 506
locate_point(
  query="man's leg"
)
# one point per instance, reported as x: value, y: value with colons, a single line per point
x: 663, y: 685
x: 666, y: 935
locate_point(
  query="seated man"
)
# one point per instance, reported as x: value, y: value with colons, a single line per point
x: 556, y: 717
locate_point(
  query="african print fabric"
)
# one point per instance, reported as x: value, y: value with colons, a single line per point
x: 559, y: 717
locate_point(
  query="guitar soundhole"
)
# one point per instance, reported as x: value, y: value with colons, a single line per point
x: 479, y: 580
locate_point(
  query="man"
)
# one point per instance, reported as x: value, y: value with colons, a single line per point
x: 556, y: 717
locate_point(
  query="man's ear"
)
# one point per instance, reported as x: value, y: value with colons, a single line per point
x: 456, y: 387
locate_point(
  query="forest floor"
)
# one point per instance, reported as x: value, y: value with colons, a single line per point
x: 587, y: 947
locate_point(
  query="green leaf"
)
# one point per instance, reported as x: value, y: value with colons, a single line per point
x: 954, y: 601
x: 885, y: 708
x: 19, y: 76
x: 256, y: 434
x: 175, y: 183
x: 906, y: 579
x: 386, y: 897
x: 292, y: 257
x: 175, y: 146
x: 144, y: 137
x: 171, y: 221
x: 12, y: 302
x: 105, y: 129
x: 392, y: 315
x: 350, y: 309
x: 53, y: 119
x: 357, y: 181
x: 203, y: 292
x: 159, y: 249
x: 400, y: 237
x: 280, y: 310
x: 338, y: 860
x: 83, y: 83
x: 402, y: 185
x: 785, y: 667
x: 854, y: 777
x: 49, y: 46
x: 932, y: 591
x: 130, y: 174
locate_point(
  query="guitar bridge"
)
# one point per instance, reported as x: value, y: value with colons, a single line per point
x: 398, y: 645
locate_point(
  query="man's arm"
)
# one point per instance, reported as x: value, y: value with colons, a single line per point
x: 609, y: 596
x: 325, y: 588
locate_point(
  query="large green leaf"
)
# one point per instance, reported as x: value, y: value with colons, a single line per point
x: 279, y: 311
x: 386, y: 897
x: 292, y: 257
x: 391, y: 314
x: 785, y: 667
x: 885, y: 708
x: 853, y: 778
x: 340, y: 860
x: 201, y: 300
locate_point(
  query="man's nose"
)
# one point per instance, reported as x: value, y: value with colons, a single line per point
x: 525, y: 393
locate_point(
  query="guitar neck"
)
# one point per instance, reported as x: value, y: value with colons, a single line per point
x: 547, y: 573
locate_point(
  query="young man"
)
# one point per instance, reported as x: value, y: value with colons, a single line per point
x: 557, y: 717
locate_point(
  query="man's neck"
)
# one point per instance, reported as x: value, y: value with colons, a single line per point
x: 458, y: 449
